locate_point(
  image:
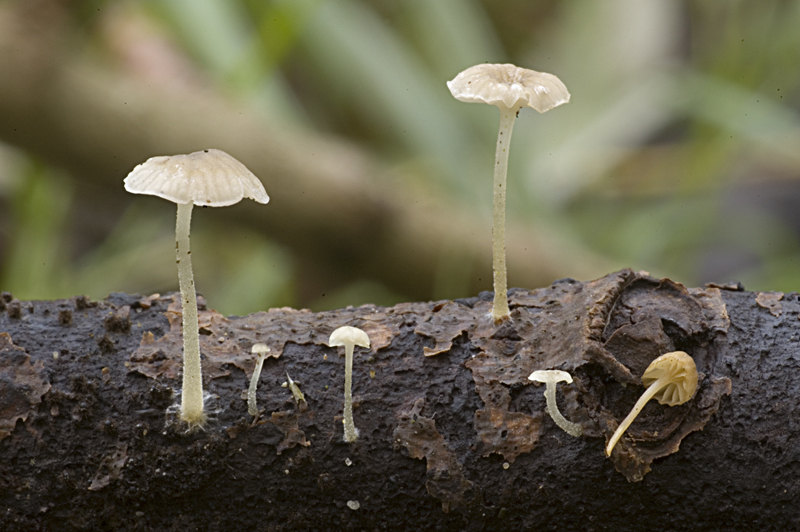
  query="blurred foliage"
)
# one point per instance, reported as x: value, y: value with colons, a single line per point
x: 679, y: 153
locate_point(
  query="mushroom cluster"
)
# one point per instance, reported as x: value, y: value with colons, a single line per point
x: 509, y: 88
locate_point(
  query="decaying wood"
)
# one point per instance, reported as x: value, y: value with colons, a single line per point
x: 452, y: 434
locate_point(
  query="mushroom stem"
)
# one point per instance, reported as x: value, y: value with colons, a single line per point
x: 646, y: 396
x: 192, y: 394
x: 500, y: 311
x: 350, y: 432
x: 573, y: 429
x: 252, y: 406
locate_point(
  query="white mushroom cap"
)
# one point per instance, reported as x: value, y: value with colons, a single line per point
x: 550, y: 375
x: 209, y: 178
x: 260, y: 349
x: 347, y: 335
x: 509, y: 86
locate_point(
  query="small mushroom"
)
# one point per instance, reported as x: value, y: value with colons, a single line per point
x: 208, y: 178
x: 551, y: 378
x: 671, y: 379
x: 348, y: 337
x: 262, y: 352
x: 510, y: 88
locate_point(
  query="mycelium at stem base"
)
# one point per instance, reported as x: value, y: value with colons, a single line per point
x: 500, y: 310
x: 192, y: 393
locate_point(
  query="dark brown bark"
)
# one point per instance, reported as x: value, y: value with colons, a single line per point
x: 457, y: 440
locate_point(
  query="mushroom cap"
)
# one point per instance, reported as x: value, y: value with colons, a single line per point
x: 209, y: 178
x: 509, y: 86
x: 682, y: 372
x: 260, y: 348
x: 348, y: 336
x: 550, y: 375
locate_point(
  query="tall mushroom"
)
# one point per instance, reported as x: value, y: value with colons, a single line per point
x: 207, y: 178
x: 671, y: 379
x: 510, y: 88
x: 348, y: 337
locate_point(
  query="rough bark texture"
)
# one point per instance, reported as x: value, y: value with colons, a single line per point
x: 452, y: 435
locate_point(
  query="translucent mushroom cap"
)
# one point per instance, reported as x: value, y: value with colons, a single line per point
x: 209, y: 178
x: 347, y: 335
x: 550, y: 375
x: 682, y: 373
x: 509, y: 86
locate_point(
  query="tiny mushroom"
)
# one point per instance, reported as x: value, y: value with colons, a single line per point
x: 551, y: 378
x: 208, y: 178
x: 262, y: 352
x: 510, y: 88
x: 671, y: 379
x: 348, y: 337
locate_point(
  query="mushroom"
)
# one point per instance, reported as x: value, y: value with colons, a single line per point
x: 551, y: 378
x: 262, y: 352
x: 510, y: 88
x: 208, y: 178
x: 671, y: 379
x: 348, y: 337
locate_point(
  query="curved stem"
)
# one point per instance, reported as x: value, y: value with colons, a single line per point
x: 646, y: 396
x: 500, y: 310
x: 252, y: 407
x: 350, y: 432
x: 573, y: 429
x: 192, y: 393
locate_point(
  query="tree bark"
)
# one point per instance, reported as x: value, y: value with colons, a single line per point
x: 452, y: 435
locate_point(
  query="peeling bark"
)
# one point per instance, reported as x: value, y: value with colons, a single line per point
x: 452, y: 434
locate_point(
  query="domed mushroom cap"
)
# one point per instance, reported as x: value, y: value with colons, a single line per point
x: 509, y: 86
x: 347, y: 335
x: 550, y: 375
x: 681, y: 371
x: 209, y: 178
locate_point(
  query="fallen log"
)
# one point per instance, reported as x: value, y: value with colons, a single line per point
x: 452, y: 435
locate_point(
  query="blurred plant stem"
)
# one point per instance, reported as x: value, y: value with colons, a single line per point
x: 333, y: 205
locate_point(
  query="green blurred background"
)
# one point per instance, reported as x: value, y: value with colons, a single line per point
x: 679, y: 153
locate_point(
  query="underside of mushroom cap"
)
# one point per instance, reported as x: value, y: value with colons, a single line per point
x: 682, y: 372
x: 506, y: 85
x: 210, y: 178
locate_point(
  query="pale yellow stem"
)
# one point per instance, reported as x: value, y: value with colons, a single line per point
x: 500, y: 310
x: 192, y: 393
x: 646, y: 396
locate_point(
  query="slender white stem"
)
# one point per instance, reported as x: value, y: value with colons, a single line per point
x: 192, y: 393
x: 646, y: 396
x: 500, y: 311
x: 350, y: 432
x: 252, y: 407
x: 573, y: 429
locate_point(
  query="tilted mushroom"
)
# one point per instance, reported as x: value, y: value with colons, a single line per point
x: 510, y: 88
x: 671, y: 379
x: 348, y: 337
x: 551, y: 378
x: 262, y: 352
x: 208, y: 178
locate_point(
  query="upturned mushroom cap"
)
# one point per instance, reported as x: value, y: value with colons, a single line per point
x: 550, y: 375
x: 682, y: 373
x: 347, y: 335
x: 509, y: 86
x: 209, y: 178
